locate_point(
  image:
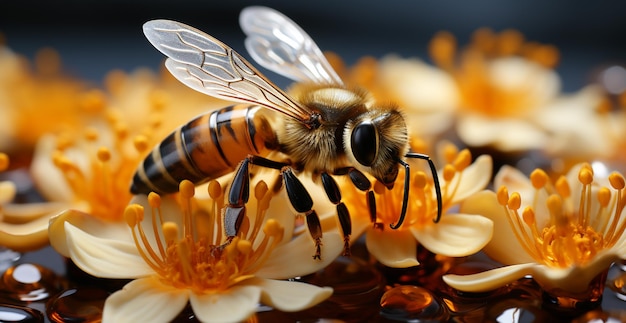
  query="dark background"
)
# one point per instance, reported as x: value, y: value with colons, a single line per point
x: 94, y: 37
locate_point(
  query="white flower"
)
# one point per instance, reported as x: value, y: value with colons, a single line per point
x: 179, y: 253
x: 563, y: 234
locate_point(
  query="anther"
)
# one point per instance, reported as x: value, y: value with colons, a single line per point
x: 585, y: 176
x: 104, y: 154
x: 170, y: 232
x: 604, y: 196
x: 260, y: 190
x: 617, y: 181
x: 462, y: 160
x: 562, y: 187
x: 450, y: 151
x: 154, y: 200
x: 503, y: 195
x: 215, y: 190
x: 419, y: 179
x: 187, y: 189
x: 448, y: 172
x: 272, y: 228
x: 132, y: 214
x: 515, y: 201
x: 555, y: 207
x: 141, y: 143
x: 539, y: 178
x: 529, y: 216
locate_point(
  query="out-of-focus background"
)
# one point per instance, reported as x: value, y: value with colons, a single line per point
x: 94, y: 37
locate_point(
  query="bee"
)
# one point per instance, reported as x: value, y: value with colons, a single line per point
x: 322, y: 127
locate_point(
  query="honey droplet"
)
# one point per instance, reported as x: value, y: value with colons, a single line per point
x: 83, y: 304
x: 407, y: 302
x: 29, y: 282
x: 14, y: 313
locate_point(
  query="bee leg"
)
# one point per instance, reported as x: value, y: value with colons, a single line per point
x: 303, y: 203
x: 235, y: 211
x: 334, y: 195
x: 361, y: 182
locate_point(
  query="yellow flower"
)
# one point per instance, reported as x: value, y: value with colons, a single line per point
x: 563, y: 233
x: 503, y: 83
x: 455, y: 235
x: 176, y: 252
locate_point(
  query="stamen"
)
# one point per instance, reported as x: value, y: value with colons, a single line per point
x: 539, y: 178
x: 463, y: 159
x: 442, y: 49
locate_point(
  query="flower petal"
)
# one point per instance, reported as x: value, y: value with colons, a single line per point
x: 455, y: 235
x: 506, y: 134
x: 503, y: 247
x: 490, y: 279
x: 145, y: 300
x: 474, y: 178
x: 291, y: 296
x: 24, y: 237
x: 295, y: 258
x: 392, y: 248
x: 105, y: 258
x: 7, y: 192
x: 233, y: 305
x: 87, y: 223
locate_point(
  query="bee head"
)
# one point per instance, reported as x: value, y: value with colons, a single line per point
x: 375, y: 141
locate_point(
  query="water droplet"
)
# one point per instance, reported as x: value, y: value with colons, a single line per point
x: 30, y: 282
x: 8, y: 257
x: 15, y: 313
x: 408, y: 302
x: 83, y: 304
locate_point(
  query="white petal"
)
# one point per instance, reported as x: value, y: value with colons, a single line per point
x: 503, y: 246
x: 87, y: 223
x: 392, y: 248
x: 47, y: 177
x: 504, y: 134
x: 474, y: 178
x: 233, y: 305
x: 24, y: 237
x: 104, y: 258
x: 490, y: 279
x: 295, y: 258
x: 291, y: 296
x: 455, y: 235
x: 145, y: 300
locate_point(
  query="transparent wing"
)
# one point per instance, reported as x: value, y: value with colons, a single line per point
x: 279, y: 44
x: 209, y: 66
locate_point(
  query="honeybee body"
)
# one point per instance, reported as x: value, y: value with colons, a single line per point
x: 321, y: 127
x: 207, y: 147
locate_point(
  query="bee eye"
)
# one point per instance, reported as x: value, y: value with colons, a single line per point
x: 364, y: 143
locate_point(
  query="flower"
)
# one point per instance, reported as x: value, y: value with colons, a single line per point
x: 504, y: 83
x: 562, y: 233
x: 455, y: 235
x: 23, y: 227
x: 179, y: 253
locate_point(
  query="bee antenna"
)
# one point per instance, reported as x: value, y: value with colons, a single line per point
x: 407, y: 179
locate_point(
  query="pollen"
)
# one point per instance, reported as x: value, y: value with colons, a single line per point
x: 579, y: 226
x: 184, y: 255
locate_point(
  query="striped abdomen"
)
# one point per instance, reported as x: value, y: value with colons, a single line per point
x: 207, y: 147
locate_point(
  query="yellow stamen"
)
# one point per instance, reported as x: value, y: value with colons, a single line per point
x: 4, y: 162
x: 187, y: 257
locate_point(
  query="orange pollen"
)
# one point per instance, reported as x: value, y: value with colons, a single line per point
x: 576, y: 232
x: 191, y: 252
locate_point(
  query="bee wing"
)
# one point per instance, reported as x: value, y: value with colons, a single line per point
x: 207, y: 65
x: 279, y: 44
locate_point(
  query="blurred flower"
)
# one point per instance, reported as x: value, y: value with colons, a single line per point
x: 178, y: 252
x: 563, y: 233
x: 504, y: 83
x: 456, y: 234
x: 23, y: 227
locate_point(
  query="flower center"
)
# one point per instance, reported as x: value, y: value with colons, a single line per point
x: 103, y: 180
x: 472, y: 70
x: 196, y: 254
x: 577, y: 230
x: 422, y: 202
